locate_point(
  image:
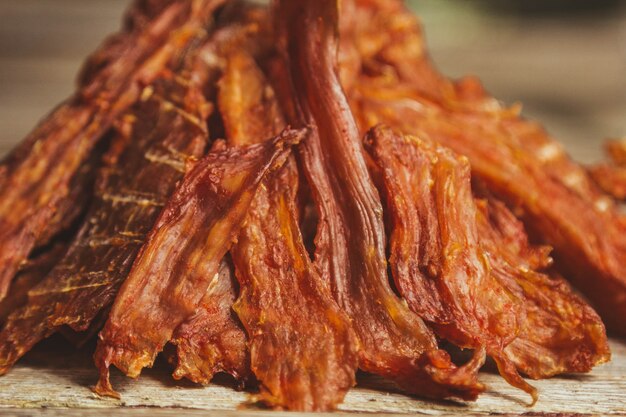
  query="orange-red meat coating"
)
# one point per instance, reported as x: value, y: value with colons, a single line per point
x: 437, y: 259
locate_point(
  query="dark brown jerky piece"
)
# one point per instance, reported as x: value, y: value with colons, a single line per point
x: 304, y: 351
x: 213, y: 340
x: 561, y: 333
x: 35, y: 178
x: 182, y: 254
x: 350, y: 243
x: 437, y: 259
x: 30, y: 275
x: 157, y: 138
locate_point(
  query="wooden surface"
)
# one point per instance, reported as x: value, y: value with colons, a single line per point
x: 569, y: 72
x: 55, y: 376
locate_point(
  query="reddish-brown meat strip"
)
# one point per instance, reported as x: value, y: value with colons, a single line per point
x: 437, y: 260
x: 304, y: 351
x: 561, y: 333
x: 35, y: 178
x: 30, y: 275
x: 350, y: 241
x: 213, y: 340
x: 182, y: 254
x: 157, y: 138
x: 516, y: 159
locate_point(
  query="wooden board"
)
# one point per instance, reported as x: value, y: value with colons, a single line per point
x: 55, y: 376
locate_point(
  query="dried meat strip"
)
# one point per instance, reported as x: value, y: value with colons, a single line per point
x: 436, y: 256
x: 303, y: 349
x: 182, y: 254
x: 157, y: 138
x: 516, y: 159
x: 35, y: 178
x: 350, y: 241
x: 561, y: 333
x: 29, y: 276
x: 213, y: 339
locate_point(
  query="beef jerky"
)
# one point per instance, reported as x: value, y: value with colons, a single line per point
x: 213, y: 340
x: 438, y: 263
x: 182, y: 254
x: 561, y: 333
x: 35, y: 178
x: 304, y: 351
x: 158, y: 136
x: 350, y: 241
x: 518, y: 162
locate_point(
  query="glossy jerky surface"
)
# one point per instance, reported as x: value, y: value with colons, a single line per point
x: 182, y: 254
x: 212, y: 340
x: 516, y: 159
x: 560, y: 333
x: 35, y: 178
x: 303, y: 348
x: 437, y: 260
x: 350, y: 241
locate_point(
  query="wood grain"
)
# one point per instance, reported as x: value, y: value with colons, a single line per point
x: 55, y: 376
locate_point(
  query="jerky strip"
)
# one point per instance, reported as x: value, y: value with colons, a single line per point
x: 35, y: 178
x: 350, y: 241
x: 437, y: 260
x: 157, y: 138
x: 30, y: 275
x: 213, y: 340
x: 304, y: 351
x: 182, y: 254
x: 561, y: 333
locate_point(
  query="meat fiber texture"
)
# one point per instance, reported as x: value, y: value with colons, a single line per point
x: 290, y: 194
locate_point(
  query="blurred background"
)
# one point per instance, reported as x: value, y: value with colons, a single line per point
x: 565, y: 60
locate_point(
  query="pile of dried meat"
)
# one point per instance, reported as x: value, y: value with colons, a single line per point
x: 290, y: 193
